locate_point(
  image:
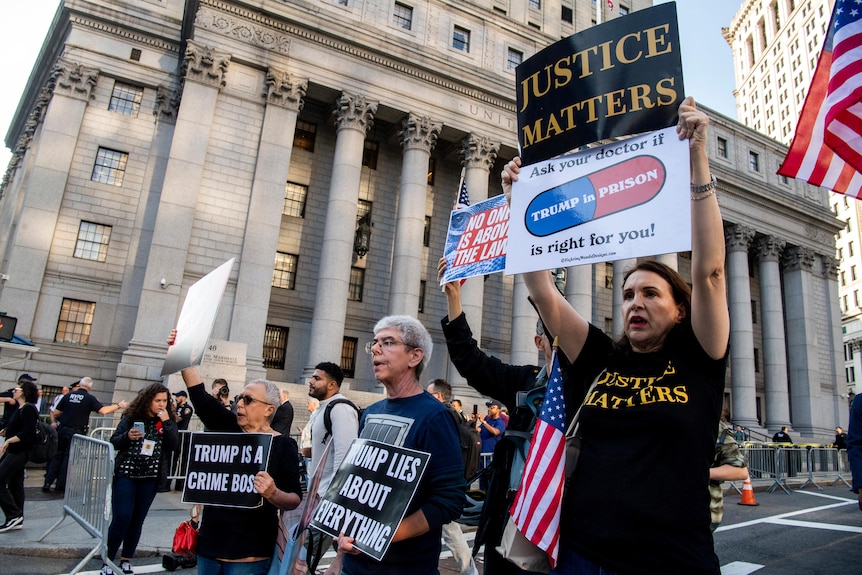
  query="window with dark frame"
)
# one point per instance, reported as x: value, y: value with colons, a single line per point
x: 92, y: 242
x: 567, y: 15
x: 461, y: 39
x: 294, y: 199
x: 402, y: 16
x: 514, y: 59
x: 426, y: 233
x: 754, y: 161
x: 125, y: 99
x: 369, y: 154
x: 422, y: 285
x: 356, y: 285
x: 721, y: 144
x: 274, y: 346
x: 536, y: 4
x: 304, y: 135
x: 110, y: 167
x: 348, y: 356
x: 75, y: 322
x: 284, y: 271
x: 432, y: 169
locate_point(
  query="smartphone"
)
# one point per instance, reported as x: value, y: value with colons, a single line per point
x: 475, y: 409
x: 139, y: 425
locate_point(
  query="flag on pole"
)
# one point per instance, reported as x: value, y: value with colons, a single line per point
x: 537, y: 506
x: 827, y: 147
x: 463, y: 196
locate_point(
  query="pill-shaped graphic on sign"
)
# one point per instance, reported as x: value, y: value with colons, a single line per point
x: 613, y: 189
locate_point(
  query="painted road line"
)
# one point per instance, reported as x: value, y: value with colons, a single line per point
x: 815, y: 525
x: 740, y: 568
x: 785, y: 515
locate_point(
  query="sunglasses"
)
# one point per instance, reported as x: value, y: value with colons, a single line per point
x: 248, y: 400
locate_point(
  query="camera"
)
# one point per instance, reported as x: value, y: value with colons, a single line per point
x: 174, y: 561
x: 223, y: 391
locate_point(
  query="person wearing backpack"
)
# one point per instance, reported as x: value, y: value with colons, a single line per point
x: 20, y: 434
x: 510, y: 385
x: 337, y: 423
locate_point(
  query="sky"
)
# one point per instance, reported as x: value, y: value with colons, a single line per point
x: 706, y: 58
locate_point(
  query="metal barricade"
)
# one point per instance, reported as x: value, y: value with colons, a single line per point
x: 767, y: 463
x: 88, y: 493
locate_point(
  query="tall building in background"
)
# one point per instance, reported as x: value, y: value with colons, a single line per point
x: 776, y: 45
x: 321, y: 145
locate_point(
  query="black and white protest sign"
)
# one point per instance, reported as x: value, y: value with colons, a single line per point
x: 370, y: 494
x: 222, y: 467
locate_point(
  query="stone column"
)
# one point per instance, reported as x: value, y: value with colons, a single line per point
x: 802, y: 347
x: 738, y: 239
x: 579, y: 290
x: 620, y: 269
x: 418, y: 137
x: 670, y: 260
x: 839, y: 379
x: 284, y: 94
x: 165, y: 116
x: 354, y: 115
x: 477, y: 156
x: 27, y: 255
x: 204, y: 72
x: 774, y: 347
x: 857, y: 365
x: 523, y: 351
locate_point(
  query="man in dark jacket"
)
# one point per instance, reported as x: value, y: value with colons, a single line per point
x: 503, y: 382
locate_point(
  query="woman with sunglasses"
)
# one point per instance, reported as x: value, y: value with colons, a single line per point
x: 234, y: 541
x: 20, y: 434
x: 137, y: 468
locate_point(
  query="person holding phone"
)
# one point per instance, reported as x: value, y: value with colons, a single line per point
x: 147, y: 430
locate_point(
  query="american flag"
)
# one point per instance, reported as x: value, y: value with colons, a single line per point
x: 463, y: 196
x: 537, y: 505
x: 827, y: 146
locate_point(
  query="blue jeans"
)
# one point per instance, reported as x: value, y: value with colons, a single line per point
x: 130, y: 502
x: 208, y: 566
x: 571, y: 563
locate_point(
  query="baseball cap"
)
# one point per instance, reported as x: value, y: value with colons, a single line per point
x: 181, y: 394
x: 494, y: 402
x: 26, y: 377
x: 75, y: 385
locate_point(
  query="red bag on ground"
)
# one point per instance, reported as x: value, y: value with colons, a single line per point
x: 186, y: 537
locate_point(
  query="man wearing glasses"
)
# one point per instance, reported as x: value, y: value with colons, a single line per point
x: 411, y: 417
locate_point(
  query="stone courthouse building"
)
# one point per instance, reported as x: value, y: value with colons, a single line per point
x: 321, y: 144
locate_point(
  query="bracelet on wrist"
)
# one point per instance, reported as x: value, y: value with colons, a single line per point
x: 703, y: 191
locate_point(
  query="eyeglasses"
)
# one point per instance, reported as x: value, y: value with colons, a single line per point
x: 248, y: 400
x: 385, y: 344
x: 18, y: 389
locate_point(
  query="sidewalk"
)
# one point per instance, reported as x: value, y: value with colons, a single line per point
x: 71, y: 541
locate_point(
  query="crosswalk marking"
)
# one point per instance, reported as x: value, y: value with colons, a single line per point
x: 740, y: 568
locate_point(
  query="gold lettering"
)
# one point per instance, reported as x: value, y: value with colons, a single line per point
x: 681, y: 393
x: 621, y: 49
x: 562, y: 73
x: 615, y: 105
x: 639, y: 96
x: 664, y: 394
x: 605, y: 49
x: 654, y: 39
x: 665, y: 87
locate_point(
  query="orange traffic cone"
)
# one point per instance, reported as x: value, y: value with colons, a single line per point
x: 747, y: 493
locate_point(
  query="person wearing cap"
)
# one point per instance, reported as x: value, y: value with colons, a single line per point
x: 71, y: 416
x: 491, y: 429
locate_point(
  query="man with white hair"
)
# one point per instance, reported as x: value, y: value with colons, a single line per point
x: 71, y: 416
x: 412, y: 418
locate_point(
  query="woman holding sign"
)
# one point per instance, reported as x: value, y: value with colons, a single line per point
x: 638, y: 501
x: 146, y: 432
x: 240, y: 540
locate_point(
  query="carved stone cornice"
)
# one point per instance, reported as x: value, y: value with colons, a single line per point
x: 73, y: 79
x: 830, y: 267
x: 354, y: 111
x: 738, y: 238
x: 419, y: 133
x: 243, y: 30
x: 769, y: 248
x: 478, y: 152
x: 284, y: 89
x: 796, y: 258
x: 205, y: 65
x: 167, y: 104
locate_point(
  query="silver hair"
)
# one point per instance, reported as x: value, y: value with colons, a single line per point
x: 86, y: 382
x: 273, y: 395
x: 412, y: 332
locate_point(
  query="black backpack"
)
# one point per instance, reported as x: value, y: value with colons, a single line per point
x: 471, y: 444
x: 45, y: 446
x: 327, y: 418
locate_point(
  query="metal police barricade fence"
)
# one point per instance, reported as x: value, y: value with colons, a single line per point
x: 823, y: 464
x: 767, y: 463
x: 843, y: 468
x: 88, y: 493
